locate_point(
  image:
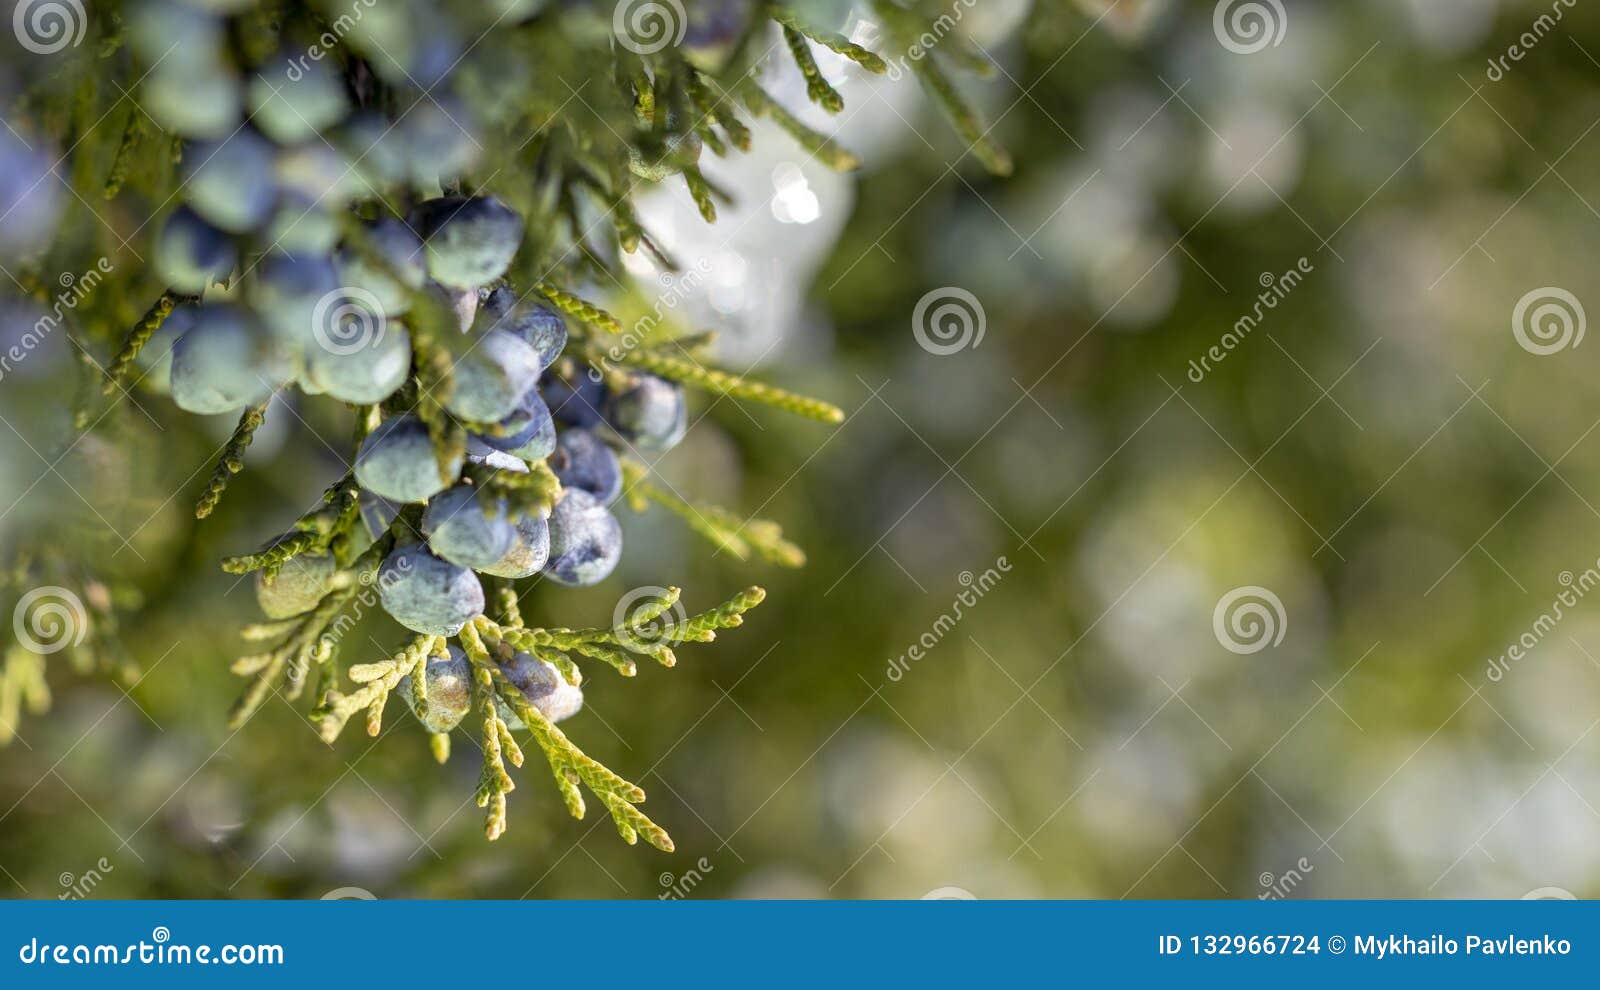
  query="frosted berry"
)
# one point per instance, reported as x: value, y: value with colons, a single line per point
x: 365, y: 360
x: 542, y: 327
x: 231, y: 182
x: 447, y: 689
x: 192, y: 255
x: 470, y: 240
x: 466, y: 529
x: 529, y: 550
x: 575, y: 400
x: 300, y: 584
x: 291, y: 293
x: 226, y: 361
x: 529, y: 432
x: 397, y: 462
x: 202, y: 100
x: 544, y: 687
x: 30, y: 197
x: 292, y: 99
x: 651, y: 413
x: 582, y: 460
x: 492, y: 377
x: 585, y: 540
x: 395, y: 243
x: 426, y: 594
x: 299, y: 225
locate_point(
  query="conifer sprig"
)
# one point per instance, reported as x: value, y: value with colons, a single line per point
x: 740, y: 537
x: 232, y: 460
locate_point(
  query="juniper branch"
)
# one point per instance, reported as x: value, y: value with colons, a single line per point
x: 138, y: 337
x: 232, y: 460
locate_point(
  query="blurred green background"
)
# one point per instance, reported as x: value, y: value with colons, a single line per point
x: 1413, y: 486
